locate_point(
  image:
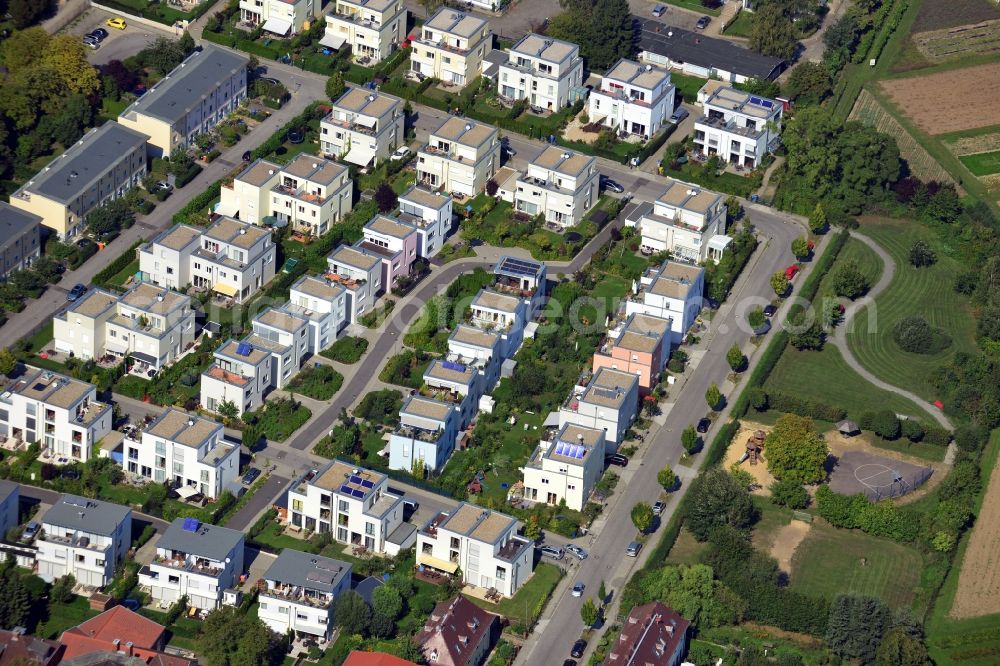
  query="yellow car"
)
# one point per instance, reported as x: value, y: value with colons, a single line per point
x: 116, y: 22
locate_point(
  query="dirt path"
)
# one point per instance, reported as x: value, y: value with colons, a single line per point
x: 786, y: 540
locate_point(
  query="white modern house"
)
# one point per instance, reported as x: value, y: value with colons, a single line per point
x: 566, y: 465
x: 542, y: 70
x: 364, y: 127
x: 186, y: 450
x: 279, y: 17
x: 195, y: 559
x: 286, y: 337
x: 687, y: 221
x: 241, y: 375
x: 299, y: 593
x: 559, y: 184
x: 60, y: 413
x: 673, y: 291
x: 430, y: 212
x: 323, y: 304
x: 85, y: 538
x: 607, y: 401
x: 427, y: 431
x: 633, y: 98
x: 310, y: 194
x: 395, y: 243
x: 503, y: 314
x: 451, y: 46
x: 484, y: 544
x: 360, y: 275
x: 372, y: 29
x: 232, y: 258
x: 524, y: 278
x: 478, y: 349
x: 457, y: 383
x: 353, y: 504
x: 739, y: 127
x: 459, y: 157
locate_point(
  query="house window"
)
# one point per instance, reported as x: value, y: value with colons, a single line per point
x: 501, y: 573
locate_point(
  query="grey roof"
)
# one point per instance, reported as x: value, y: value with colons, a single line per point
x: 209, y: 541
x: 89, y: 516
x: 14, y: 222
x: 367, y: 587
x: 694, y: 47
x: 7, y: 488
x: 189, y: 83
x: 85, y: 162
x: 314, y: 572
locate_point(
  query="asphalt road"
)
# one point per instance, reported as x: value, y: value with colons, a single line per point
x: 261, y: 500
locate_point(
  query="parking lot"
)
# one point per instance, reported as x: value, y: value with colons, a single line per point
x: 119, y: 44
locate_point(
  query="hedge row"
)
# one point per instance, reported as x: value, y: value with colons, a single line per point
x: 198, y: 203
x: 784, y: 402
x: 117, y: 265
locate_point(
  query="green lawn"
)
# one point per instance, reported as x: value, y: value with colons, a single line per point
x: 63, y: 616
x: 124, y: 274
x: 523, y: 603
x: 346, y: 350
x: 610, y: 289
x: 693, y: 5
x: 927, y: 292
x: 832, y: 561
x: 686, y: 549
x: 982, y: 164
x: 687, y: 85
x: 741, y: 26
x: 772, y: 518
x: 274, y: 537
x: 318, y: 383
x: 518, y: 445
x: 869, y: 263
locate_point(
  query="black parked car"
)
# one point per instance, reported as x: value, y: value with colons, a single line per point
x: 616, y: 459
x: 704, y: 425
x: 609, y: 184
x: 578, y: 648
x: 250, y: 476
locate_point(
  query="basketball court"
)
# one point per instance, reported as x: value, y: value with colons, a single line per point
x: 876, y: 476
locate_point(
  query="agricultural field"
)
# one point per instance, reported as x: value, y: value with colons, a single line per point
x: 982, y: 164
x: 931, y: 101
x: 978, y: 590
x: 964, y: 40
x: 869, y: 111
x: 927, y: 292
x: 938, y: 14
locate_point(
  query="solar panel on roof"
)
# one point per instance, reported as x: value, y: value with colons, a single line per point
x: 577, y: 452
x: 611, y: 394
x: 244, y: 349
x: 357, y: 493
x: 191, y: 525
x: 320, y: 577
x: 367, y: 484
x: 355, y: 479
x: 451, y: 365
x: 519, y: 267
x: 345, y: 489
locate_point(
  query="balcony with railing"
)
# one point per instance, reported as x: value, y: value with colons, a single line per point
x: 431, y: 527
x: 298, y: 595
x: 74, y: 540
x: 300, y: 193
x: 353, y: 126
x: 720, y: 123
x: 189, y: 563
x: 357, y: 18
x: 419, y: 434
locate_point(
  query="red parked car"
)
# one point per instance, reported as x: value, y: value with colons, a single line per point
x: 791, y: 271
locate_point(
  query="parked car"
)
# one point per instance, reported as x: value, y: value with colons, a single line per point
x: 577, y: 590
x: 90, y: 42
x: 410, y: 505
x: 633, y: 549
x: 616, y: 459
x: 555, y: 552
x: 569, y: 662
x: 163, y: 185
x: 402, y: 153
x: 659, y: 10
x: 100, y: 34
x: 658, y: 508
x: 76, y: 292
x: 608, y: 184
x: 250, y: 476
x: 30, y: 531
x: 117, y: 22
x: 578, y: 648
x: 703, y: 22
x: 580, y: 553
x: 246, y: 156
x: 703, y: 425
x: 769, y: 310
x: 678, y: 115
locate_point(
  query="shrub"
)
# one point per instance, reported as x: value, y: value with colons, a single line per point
x: 912, y: 430
x: 922, y: 255
x: 936, y: 436
x: 790, y: 493
x: 856, y: 512
x: 784, y: 402
x: 914, y: 334
x: 883, y: 423
x: 757, y: 398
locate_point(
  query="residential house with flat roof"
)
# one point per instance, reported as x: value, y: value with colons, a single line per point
x: 640, y: 344
x: 543, y: 70
x: 323, y: 304
x: 478, y: 349
x: 430, y: 212
x: 559, y: 184
x: 360, y: 274
x: 687, y: 221
x: 566, y: 465
x: 363, y: 127
x: 231, y: 257
x: 372, y: 29
x: 190, y: 100
x: 458, y: 633
x: 739, y: 127
x: 102, y: 166
x: 283, y: 18
x: 196, y: 559
x: 85, y: 538
x: 394, y: 242
x: 524, y: 278
x: 353, y: 504
x: 20, y: 239
x: 634, y: 98
x: 459, y: 157
x: 185, y: 450
x: 241, y: 375
x: 673, y: 291
x: 60, y: 413
x: 653, y: 634
x: 484, y: 544
x: 608, y: 400
x: 501, y: 313
x: 286, y: 336
x: 451, y: 46
x: 456, y: 383
x: 300, y: 591
x: 427, y: 431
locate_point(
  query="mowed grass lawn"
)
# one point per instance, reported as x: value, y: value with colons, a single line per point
x: 927, y: 292
x: 740, y: 27
x: 832, y: 561
x: 982, y: 164
x: 523, y: 603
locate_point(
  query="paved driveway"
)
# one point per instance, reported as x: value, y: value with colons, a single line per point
x: 261, y: 500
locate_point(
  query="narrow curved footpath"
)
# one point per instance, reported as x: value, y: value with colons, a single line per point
x: 839, y: 337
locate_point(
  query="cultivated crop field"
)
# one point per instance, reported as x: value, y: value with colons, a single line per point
x: 949, y: 101
x: 979, y: 577
x: 964, y: 40
x: 869, y: 111
x: 937, y: 14
x: 982, y: 164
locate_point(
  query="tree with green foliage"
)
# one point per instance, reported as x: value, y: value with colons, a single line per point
x: 713, y: 396
x: 387, y: 601
x: 689, y: 439
x: 62, y: 589
x: 717, y: 500
x: 230, y: 637
x: 352, y: 614
x: 795, y: 451
x: 667, y: 478
x: 27, y: 12
x: 756, y: 318
x: 602, y: 593
x: 642, y: 516
x: 897, y: 648
x: 164, y: 54
x: 809, y: 83
x: 805, y: 331
x: 856, y: 625
x: 758, y: 398
x: 790, y: 493
x: 800, y: 248
x: 735, y: 358
x: 385, y: 197
x: 602, y: 28
x: 694, y: 593
x: 848, y: 281
x: 228, y: 410
x: 772, y: 32
x: 921, y: 254
x: 779, y: 283
x: 8, y: 362
x: 817, y: 219
x: 588, y: 612
x: 335, y: 86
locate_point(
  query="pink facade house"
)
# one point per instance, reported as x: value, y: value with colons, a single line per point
x: 640, y: 345
x: 396, y: 243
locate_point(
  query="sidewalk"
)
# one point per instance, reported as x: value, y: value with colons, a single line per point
x: 729, y: 12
